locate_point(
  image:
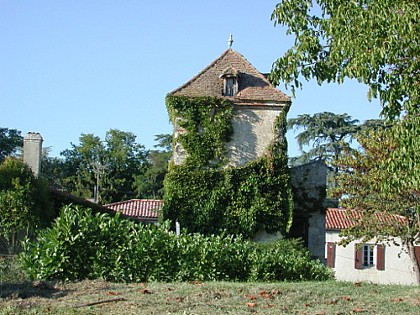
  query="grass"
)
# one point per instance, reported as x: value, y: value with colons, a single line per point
x: 18, y: 296
x: 208, y: 298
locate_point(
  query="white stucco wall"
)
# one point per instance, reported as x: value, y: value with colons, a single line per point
x: 398, y: 265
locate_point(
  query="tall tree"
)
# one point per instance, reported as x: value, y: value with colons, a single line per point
x: 327, y: 134
x: 10, y: 141
x: 107, y: 169
x: 376, y: 42
x: 368, y: 185
x: 150, y: 184
x: 80, y: 160
x: 124, y: 160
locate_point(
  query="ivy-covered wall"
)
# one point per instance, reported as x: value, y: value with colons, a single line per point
x: 205, y: 194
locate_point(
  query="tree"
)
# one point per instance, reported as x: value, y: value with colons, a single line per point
x: 373, y: 41
x: 79, y: 161
x: 53, y: 169
x: 368, y: 185
x: 377, y: 43
x: 108, y: 167
x: 10, y: 142
x: 24, y: 202
x: 150, y: 184
x: 326, y: 133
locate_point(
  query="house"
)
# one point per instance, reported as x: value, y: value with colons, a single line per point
x: 371, y: 262
x: 142, y: 210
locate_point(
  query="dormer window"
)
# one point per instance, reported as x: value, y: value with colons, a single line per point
x: 230, y: 81
x: 231, y: 86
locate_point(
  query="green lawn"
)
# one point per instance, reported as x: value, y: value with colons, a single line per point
x: 208, y: 298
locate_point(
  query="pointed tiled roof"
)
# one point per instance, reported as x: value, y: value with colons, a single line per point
x: 253, y: 87
x: 339, y: 218
x: 139, y: 209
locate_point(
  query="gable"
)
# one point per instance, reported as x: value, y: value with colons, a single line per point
x: 253, y: 87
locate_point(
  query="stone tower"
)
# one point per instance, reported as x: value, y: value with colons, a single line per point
x: 32, y: 151
x: 257, y: 105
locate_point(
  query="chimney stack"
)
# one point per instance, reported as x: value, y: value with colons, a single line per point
x: 32, y: 151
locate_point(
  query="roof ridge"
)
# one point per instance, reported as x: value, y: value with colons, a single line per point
x: 132, y: 200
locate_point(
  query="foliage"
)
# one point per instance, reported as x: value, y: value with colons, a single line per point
x: 373, y: 41
x: 286, y: 259
x: 329, y: 136
x: 110, y: 166
x: 207, y: 127
x: 10, y: 142
x: 327, y: 133
x: 377, y: 43
x: 81, y: 245
x: 150, y: 184
x: 379, y: 180
x: 361, y: 183
x: 54, y: 169
x: 403, y: 163
x: 207, y: 196
x: 24, y: 202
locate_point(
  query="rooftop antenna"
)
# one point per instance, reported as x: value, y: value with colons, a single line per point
x: 230, y: 41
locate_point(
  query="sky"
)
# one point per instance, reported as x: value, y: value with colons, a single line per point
x: 88, y: 66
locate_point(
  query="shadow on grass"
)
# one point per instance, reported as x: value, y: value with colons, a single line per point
x: 26, y: 290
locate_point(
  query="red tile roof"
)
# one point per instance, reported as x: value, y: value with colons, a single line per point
x: 253, y: 85
x: 139, y: 209
x: 339, y: 218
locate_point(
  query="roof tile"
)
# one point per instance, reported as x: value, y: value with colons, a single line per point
x: 340, y: 218
x: 253, y: 85
x: 140, y: 209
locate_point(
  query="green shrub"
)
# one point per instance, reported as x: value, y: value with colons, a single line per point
x: 24, y: 203
x: 286, y: 260
x: 66, y: 250
x: 81, y: 245
x: 215, y: 257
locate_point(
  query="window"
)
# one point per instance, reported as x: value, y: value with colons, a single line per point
x: 230, y: 81
x: 231, y: 88
x: 368, y: 255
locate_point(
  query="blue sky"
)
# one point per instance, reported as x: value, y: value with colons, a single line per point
x: 86, y: 66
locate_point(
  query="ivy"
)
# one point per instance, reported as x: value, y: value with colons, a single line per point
x: 205, y: 194
x: 207, y: 125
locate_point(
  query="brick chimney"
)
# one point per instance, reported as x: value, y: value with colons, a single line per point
x: 32, y: 151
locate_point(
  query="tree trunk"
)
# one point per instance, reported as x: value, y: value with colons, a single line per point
x: 415, y: 261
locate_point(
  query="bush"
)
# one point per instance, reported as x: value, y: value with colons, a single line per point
x: 286, y: 260
x: 24, y: 203
x: 81, y: 245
